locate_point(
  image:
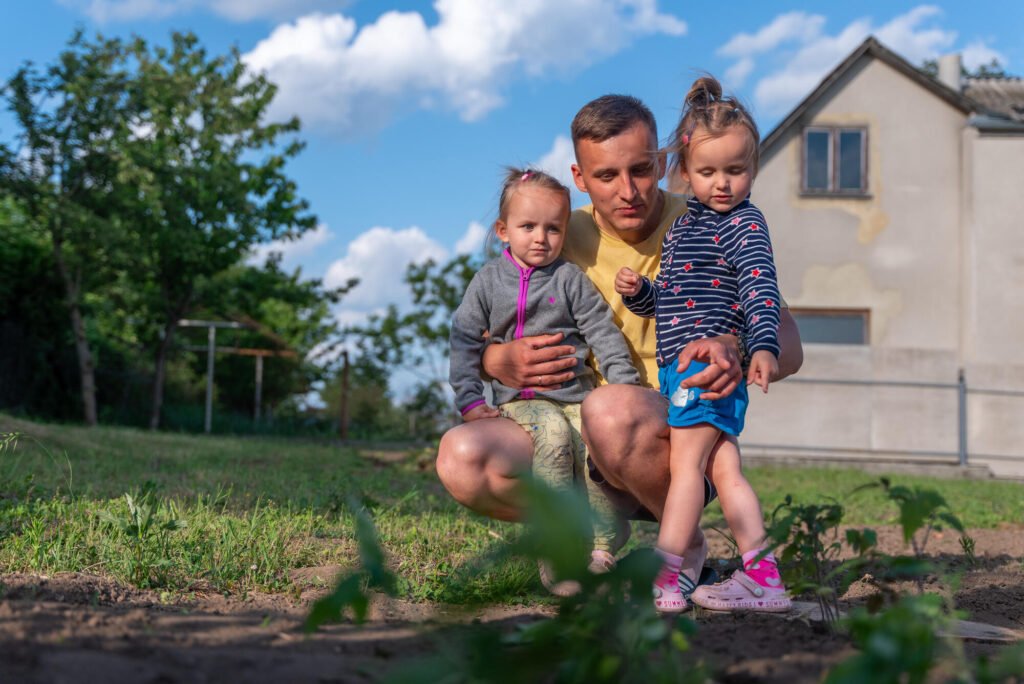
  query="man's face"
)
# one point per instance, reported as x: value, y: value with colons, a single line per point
x: 621, y: 176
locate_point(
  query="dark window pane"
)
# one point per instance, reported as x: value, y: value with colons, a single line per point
x: 832, y: 328
x: 816, y: 144
x: 850, y: 168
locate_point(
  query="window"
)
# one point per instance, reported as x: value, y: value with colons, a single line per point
x: 832, y: 326
x: 835, y: 161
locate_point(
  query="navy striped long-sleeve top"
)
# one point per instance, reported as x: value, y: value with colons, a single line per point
x: 717, y: 278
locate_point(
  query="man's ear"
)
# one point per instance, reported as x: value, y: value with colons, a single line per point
x: 662, y: 163
x: 577, y: 178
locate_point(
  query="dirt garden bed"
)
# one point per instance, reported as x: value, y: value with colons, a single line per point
x: 83, y: 628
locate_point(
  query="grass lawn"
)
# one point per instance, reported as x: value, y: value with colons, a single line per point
x: 237, y: 514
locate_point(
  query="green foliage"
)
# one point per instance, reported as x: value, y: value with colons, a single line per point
x: 145, y: 529
x: 898, y: 645
x: 809, y: 536
x: 351, y: 590
x: 609, y: 632
x: 418, y: 339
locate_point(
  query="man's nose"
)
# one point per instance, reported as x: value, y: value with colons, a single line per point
x: 627, y: 186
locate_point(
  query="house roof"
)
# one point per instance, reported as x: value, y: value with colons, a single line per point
x: 872, y: 48
x: 1003, y: 97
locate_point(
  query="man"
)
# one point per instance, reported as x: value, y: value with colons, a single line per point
x: 619, y: 165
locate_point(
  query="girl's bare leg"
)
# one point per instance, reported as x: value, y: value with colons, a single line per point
x: 688, y: 458
x: 740, y: 504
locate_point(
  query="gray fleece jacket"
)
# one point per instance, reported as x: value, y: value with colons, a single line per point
x: 510, y: 302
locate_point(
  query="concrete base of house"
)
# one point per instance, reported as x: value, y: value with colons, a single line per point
x: 876, y: 462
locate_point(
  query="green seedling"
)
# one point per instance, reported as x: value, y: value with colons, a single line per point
x: 808, y: 535
x: 145, y: 530
x: 352, y: 590
x: 608, y: 632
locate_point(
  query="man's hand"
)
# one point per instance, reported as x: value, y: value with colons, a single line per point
x: 536, y: 362
x: 627, y: 282
x: 764, y: 367
x: 723, y: 373
x: 478, y: 412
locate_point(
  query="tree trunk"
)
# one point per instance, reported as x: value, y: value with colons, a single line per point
x: 86, y: 365
x: 160, y: 372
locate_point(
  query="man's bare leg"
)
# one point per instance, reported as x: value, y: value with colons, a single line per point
x: 480, y: 463
x: 625, y: 431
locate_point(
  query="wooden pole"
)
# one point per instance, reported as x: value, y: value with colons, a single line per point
x: 343, y: 406
x: 259, y: 389
x: 211, y: 341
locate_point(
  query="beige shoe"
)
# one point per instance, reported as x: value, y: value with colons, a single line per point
x: 564, y: 588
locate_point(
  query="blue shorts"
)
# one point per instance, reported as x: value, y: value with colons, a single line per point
x: 687, y: 408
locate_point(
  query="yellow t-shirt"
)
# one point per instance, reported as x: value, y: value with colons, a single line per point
x: 601, y: 256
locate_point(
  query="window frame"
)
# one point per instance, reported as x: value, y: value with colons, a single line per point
x: 836, y: 312
x: 834, y: 161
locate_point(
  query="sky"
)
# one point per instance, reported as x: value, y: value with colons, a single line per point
x: 410, y: 109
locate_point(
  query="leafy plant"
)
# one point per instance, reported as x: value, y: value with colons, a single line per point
x: 608, y: 632
x: 811, y: 545
x: 146, y: 532
x: 352, y: 589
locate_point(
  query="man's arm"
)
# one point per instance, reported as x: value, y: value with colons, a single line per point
x: 724, y: 373
x: 538, y: 362
x: 792, y: 355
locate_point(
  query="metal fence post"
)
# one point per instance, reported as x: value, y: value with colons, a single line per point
x: 211, y: 341
x: 961, y: 401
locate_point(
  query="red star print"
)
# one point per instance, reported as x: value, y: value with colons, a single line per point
x: 664, y: 285
x: 736, y: 221
x: 721, y: 261
x: 675, y: 320
x: 733, y: 330
x: 697, y: 322
x: 717, y: 239
x: 756, y: 272
x: 688, y: 267
x: 753, y: 293
x: 676, y: 289
x: 690, y: 303
x: 735, y: 307
x: 756, y: 318
x: 769, y: 302
x: 754, y: 226
x: 744, y: 243
x: 716, y: 282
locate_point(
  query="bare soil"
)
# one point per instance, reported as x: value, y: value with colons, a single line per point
x: 84, y: 628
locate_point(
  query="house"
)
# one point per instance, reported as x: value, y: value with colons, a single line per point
x: 896, y: 204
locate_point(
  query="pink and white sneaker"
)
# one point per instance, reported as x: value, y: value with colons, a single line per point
x: 668, y: 598
x: 741, y: 592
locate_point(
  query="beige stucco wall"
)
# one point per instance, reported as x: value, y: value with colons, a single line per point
x: 893, y: 252
x: 936, y: 254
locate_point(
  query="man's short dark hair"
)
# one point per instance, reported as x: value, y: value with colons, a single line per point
x: 610, y: 115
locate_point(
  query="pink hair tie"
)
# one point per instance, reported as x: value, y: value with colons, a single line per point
x: 686, y: 139
x: 525, y: 175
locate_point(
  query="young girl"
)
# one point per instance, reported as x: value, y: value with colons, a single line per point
x: 529, y: 290
x: 717, y: 278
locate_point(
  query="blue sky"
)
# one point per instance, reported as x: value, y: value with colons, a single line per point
x: 410, y: 109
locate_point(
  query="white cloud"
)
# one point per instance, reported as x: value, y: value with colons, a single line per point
x: 379, y: 258
x: 472, y: 241
x: 808, y: 54
x: 736, y: 75
x: 559, y: 159
x: 979, y: 54
x: 783, y: 28
x: 104, y: 11
x: 292, y: 251
x: 351, y: 79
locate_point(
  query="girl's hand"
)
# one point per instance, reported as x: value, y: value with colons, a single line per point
x: 763, y: 367
x: 478, y: 412
x: 627, y: 282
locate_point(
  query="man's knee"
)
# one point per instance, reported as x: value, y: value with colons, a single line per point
x: 605, y: 411
x: 458, y: 464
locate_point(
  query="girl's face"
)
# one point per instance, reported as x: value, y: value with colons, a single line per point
x: 720, y: 170
x: 535, y: 225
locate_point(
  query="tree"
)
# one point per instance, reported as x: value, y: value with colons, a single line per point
x: 991, y: 70
x: 63, y: 168
x: 206, y: 176
x: 417, y: 340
